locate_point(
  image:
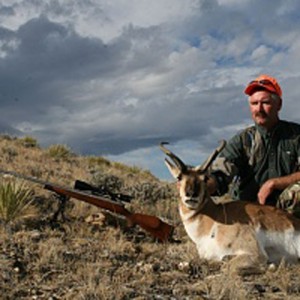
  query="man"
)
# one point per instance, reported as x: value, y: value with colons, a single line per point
x: 262, y: 163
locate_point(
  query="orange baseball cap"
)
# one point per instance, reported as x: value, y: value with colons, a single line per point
x: 264, y: 82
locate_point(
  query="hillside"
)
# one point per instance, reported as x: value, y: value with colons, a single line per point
x: 84, y: 258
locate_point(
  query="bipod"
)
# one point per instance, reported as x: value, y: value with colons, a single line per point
x: 62, y: 199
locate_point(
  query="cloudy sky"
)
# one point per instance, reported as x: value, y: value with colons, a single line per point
x: 115, y: 77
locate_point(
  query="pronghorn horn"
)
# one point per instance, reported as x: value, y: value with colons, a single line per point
x: 179, y: 163
x: 203, y: 168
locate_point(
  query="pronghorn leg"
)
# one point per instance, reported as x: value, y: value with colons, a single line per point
x: 250, y: 257
x: 246, y: 264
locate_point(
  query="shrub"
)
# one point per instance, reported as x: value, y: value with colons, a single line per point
x: 59, y: 151
x: 7, y: 137
x: 133, y: 170
x: 108, y: 182
x: 15, y: 199
x: 151, y: 191
x: 98, y: 161
x: 29, y: 142
x: 9, y: 154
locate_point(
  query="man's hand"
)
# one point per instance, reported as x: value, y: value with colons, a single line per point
x: 265, y: 191
x: 279, y: 183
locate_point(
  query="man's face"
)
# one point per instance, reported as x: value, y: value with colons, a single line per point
x: 264, y: 109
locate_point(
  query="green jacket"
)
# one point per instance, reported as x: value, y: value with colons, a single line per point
x: 254, y: 155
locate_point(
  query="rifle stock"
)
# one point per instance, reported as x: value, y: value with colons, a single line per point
x: 152, y: 224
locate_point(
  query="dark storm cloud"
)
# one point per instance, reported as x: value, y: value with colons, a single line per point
x: 48, y: 61
x: 45, y: 62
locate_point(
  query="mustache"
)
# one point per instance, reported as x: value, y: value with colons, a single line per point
x: 261, y: 114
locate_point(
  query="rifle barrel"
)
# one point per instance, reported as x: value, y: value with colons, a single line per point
x: 91, y: 199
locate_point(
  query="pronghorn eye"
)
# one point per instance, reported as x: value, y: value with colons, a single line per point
x: 179, y: 177
x: 206, y: 178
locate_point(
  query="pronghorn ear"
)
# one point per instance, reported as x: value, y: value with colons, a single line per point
x: 175, y: 172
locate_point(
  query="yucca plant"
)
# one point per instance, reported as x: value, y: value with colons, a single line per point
x: 15, y: 199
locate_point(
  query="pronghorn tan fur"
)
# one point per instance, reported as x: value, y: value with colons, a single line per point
x: 251, y: 233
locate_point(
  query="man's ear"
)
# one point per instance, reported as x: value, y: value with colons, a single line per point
x: 279, y: 104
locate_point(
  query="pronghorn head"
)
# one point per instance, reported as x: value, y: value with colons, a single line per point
x: 192, y: 180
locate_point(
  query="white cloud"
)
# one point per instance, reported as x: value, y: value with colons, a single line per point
x: 261, y: 53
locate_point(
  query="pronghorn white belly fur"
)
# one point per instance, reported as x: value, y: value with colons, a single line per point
x: 273, y: 245
x: 278, y: 245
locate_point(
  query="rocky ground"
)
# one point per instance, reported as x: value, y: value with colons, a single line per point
x: 76, y: 259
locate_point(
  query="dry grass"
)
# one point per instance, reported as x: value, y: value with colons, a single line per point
x: 73, y: 259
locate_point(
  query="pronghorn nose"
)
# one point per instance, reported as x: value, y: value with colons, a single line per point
x: 192, y: 189
x: 191, y: 193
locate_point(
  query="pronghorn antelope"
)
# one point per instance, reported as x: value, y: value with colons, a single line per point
x: 249, y: 233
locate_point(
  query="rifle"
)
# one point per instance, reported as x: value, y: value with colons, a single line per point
x: 152, y: 224
x: 101, y: 191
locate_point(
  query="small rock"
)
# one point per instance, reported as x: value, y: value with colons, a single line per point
x: 96, y: 219
x: 184, y: 266
x: 272, y: 267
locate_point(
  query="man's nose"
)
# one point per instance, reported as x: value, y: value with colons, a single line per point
x: 260, y: 107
